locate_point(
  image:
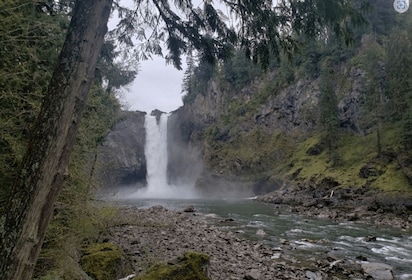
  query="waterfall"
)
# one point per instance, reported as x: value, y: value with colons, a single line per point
x: 156, y: 164
x: 156, y: 155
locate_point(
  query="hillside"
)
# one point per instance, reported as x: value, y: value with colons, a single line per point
x: 333, y: 116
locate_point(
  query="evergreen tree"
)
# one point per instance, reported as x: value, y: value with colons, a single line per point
x: 399, y: 69
x: 376, y: 86
x: 328, y: 105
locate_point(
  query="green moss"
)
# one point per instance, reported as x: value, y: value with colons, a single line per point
x: 102, y: 261
x: 354, y: 152
x: 393, y: 179
x: 190, y: 267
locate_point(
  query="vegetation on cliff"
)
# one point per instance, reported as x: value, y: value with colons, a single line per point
x: 332, y: 111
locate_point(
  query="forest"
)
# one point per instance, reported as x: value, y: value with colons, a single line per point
x: 33, y: 33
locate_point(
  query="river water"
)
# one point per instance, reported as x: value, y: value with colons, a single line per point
x: 308, y: 238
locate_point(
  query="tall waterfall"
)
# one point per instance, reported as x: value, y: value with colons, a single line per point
x: 156, y: 156
x: 156, y: 165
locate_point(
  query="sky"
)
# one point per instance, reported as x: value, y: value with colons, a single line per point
x: 157, y: 86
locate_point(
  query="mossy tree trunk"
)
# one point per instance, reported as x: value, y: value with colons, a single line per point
x: 45, y: 163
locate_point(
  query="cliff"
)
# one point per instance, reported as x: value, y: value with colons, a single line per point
x: 121, y: 161
x: 262, y: 136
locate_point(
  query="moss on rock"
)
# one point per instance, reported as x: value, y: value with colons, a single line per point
x: 190, y: 267
x: 102, y: 261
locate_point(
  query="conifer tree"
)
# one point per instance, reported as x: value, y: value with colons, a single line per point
x: 376, y: 87
x: 328, y: 105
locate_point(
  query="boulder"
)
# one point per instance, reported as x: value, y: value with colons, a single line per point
x: 378, y: 271
x: 104, y: 261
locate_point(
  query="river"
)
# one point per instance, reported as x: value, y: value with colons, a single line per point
x: 308, y: 237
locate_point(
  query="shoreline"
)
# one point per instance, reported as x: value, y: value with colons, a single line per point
x: 150, y: 236
x: 363, y: 205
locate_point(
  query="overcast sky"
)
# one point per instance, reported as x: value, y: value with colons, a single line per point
x: 157, y: 86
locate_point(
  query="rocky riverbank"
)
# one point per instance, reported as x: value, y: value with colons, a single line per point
x: 150, y: 236
x: 345, y: 204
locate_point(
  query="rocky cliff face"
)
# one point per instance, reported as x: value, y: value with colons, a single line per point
x: 121, y: 160
x: 295, y: 109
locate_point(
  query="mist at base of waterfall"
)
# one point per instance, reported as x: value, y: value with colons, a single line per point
x: 162, y: 192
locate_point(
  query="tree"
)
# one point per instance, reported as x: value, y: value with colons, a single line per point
x: 376, y: 84
x: 399, y: 69
x: 263, y: 29
x: 328, y: 104
x: 44, y: 166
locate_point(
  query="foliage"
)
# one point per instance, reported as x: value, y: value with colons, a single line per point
x: 197, y: 79
x: 261, y: 30
x: 239, y: 70
x: 29, y: 43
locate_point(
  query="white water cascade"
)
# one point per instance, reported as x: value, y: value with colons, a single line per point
x: 156, y: 156
x: 156, y: 163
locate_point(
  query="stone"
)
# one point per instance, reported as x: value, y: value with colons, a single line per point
x: 254, y: 274
x: 104, y: 261
x: 312, y: 275
x: 260, y: 232
x: 189, y: 209
x: 378, y: 271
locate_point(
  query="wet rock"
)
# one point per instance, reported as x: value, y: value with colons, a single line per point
x: 189, y: 209
x: 362, y: 258
x: 370, y: 239
x: 378, y: 271
x: 260, y: 232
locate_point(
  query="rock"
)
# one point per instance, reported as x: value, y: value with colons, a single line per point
x: 260, y: 232
x: 370, y: 238
x: 378, y: 271
x: 190, y: 266
x: 121, y: 160
x: 254, y: 274
x: 362, y: 258
x: 104, y: 261
x: 189, y: 209
x: 370, y: 170
x: 313, y: 276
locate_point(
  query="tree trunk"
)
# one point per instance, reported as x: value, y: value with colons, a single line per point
x: 54, y: 133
